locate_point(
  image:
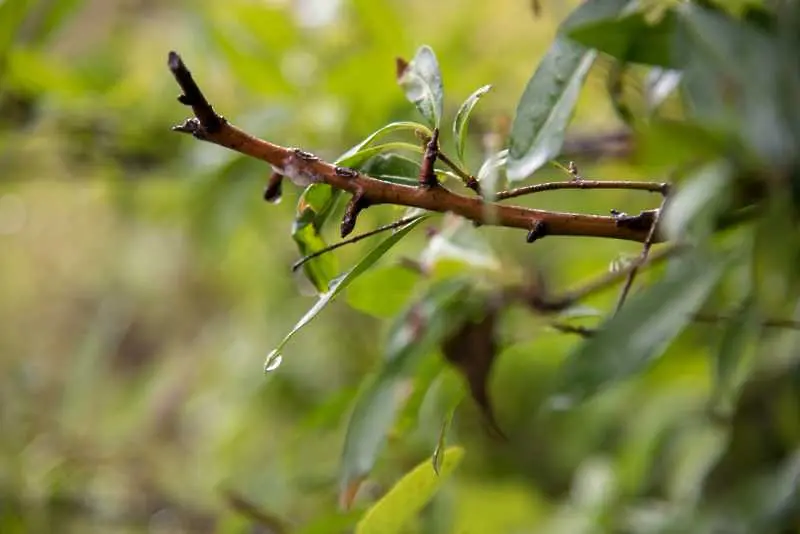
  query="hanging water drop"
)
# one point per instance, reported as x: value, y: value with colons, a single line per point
x: 274, y: 361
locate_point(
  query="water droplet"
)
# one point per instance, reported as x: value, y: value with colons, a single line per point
x: 274, y: 361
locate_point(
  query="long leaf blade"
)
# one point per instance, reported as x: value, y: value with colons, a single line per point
x: 339, y: 284
x: 642, y: 330
x: 422, y: 82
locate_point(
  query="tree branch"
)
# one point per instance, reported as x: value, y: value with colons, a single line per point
x: 304, y: 169
x: 653, y: 187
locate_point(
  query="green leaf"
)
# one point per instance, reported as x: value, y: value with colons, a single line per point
x: 461, y: 122
x: 659, y: 85
x: 12, y: 15
x: 643, y: 328
x: 630, y: 38
x: 731, y: 72
x: 337, y: 285
x: 383, y: 292
x: 546, y: 106
x: 415, y: 334
x: 318, y: 200
x: 312, y: 208
x: 408, y: 496
x: 731, y: 365
x: 346, y: 158
x: 422, y: 82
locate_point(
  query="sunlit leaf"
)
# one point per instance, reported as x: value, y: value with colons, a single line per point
x: 422, y: 82
x: 414, y: 334
x: 393, y: 127
x: 659, y: 85
x: 340, y: 283
x: 642, y: 330
x: 409, y: 496
x: 461, y: 122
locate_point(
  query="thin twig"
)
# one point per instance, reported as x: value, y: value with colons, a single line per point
x: 653, y: 187
x: 648, y: 243
x: 469, y: 181
x: 397, y: 224
x: 302, y: 169
x: 566, y: 328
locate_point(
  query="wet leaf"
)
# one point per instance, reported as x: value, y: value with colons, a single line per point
x: 422, y: 82
x: 408, y: 496
x: 340, y: 283
x: 643, y: 328
x: 461, y: 122
x: 546, y: 106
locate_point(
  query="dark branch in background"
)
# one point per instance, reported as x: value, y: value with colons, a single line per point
x: 303, y: 169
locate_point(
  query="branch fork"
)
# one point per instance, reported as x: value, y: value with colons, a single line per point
x: 304, y: 168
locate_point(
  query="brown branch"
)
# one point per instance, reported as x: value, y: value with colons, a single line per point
x: 653, y: 187
x: 303, y: 169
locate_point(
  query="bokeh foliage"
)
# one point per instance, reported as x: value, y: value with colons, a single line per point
x: 144, y: 280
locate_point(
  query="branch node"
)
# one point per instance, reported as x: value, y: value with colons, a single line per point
x: 356, y: 205
x: 346, y: 172
x: 538, y: 231
x: 305, y: 156
x: 474, y: 184
x: 427, y: 175
x: 274, y: 188
x: 642, y: 222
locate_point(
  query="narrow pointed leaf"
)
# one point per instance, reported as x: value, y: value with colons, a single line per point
x: 547, y: 103
x: 461, y: 122
x: 731, y: 363
x: 642, y: 330
x: 339, y: 284
x: 422, y: 82
x: 407, y: 498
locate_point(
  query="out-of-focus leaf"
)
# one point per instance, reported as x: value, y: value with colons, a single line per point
x: 458, y: 242
x: 472, y: 349
x: 12, y: 14
x: 643, y: 328
x: 56, y: 14
x: 415, y: 334
x: 382, y: 292
x: 340, y: 283
x: 461, y: 122
x: 408, y: 496
x: 630, y: 38
x: 422, y: 82
x: 698, y: 202
x: 659, y: 85
x: 731, y: 362
x: 546, y: 106
x: 730, y: 76
x: 669, y: 144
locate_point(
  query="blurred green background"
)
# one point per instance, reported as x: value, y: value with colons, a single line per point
x: 143, y: 279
